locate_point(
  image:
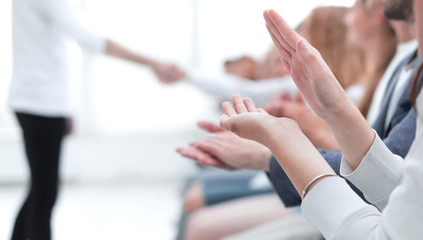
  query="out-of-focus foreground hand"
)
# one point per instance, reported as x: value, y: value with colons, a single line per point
x: 225, y: 150
x: 167, y: 72
x: 209, y: 126
x: 202, y: 157
x: 275, y: 105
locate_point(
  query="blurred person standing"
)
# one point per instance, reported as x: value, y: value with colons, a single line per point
x: 39, y: 97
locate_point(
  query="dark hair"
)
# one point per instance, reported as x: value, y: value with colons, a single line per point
x: 416, y: 85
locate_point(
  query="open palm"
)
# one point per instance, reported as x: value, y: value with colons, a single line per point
x: 245, y: 120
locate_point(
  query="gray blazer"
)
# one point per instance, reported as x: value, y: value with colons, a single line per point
x: 398, y: 137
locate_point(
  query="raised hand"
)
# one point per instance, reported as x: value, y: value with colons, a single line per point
x: 321, y: 90
x: 311, y: 74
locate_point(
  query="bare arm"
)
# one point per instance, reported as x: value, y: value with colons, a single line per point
x: 166, y: 72
x: 114, y: 49
x: 59, y: 12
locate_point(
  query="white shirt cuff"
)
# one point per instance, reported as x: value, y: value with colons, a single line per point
x: 378, y: 174
x: 337, y: 211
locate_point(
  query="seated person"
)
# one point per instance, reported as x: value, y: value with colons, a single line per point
x: 400, y: 129
x: 328, y: 201
x: 333, y: 41
x: 199, y: 191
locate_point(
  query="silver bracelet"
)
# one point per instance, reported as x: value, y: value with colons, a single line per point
x: 313, y: 180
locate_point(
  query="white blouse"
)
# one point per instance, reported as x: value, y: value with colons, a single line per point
x: 390, y: 183
x: 41, y: 29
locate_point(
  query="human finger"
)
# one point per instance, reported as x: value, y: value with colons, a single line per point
x: 239, y: 104
x: 283, y: 52
x: 209, y: 126
x: 228, y: 108
x: 202, y: 157
x: 249, y: 104
x: 288, y: 34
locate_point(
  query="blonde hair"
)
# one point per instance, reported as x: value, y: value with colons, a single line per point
x: 328, y: 34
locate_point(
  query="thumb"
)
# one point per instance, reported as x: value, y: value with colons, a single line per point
x: 224, y: 122
x: 209, y: 126
x: 261, y: 110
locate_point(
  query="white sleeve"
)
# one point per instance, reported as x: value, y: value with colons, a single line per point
x: 403, y: 216
x: 337, y: 211
x: 60, y: 13
x: 378, y: 174
x: 340, y: 214
x: 224, y: 86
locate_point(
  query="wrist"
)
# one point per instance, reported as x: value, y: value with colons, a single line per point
x: 313, y: 182
x: 286, y: 131
x: 264, y: 163
x: 325, y: 140
x: 340, y: 111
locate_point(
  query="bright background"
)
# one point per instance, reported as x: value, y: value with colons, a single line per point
x: 121, y: 156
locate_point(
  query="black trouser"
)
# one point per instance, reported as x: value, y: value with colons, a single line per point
x: 43, y: 139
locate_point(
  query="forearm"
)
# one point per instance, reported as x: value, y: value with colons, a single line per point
x: 324, y: 140
x: 352, y: 133
x: 114, y: 49
x: 302, y: 162
x: 319, y: 134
